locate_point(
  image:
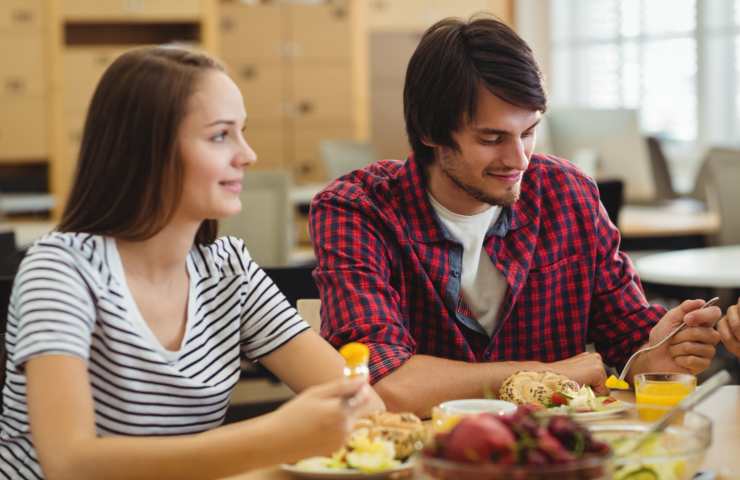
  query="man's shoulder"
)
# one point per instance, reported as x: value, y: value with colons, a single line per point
x: 371, y: 183
x: 552, y: 175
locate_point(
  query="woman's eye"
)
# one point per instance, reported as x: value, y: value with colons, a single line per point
x: 219, y: 137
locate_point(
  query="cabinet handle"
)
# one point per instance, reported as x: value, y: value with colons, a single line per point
x: 15, y: 85
x: 305, y: 107
x: 227, y: 24
x: 22, y: 16
x: 249, y: 72
x: 340, y: 13
x: 305, y: 168
x: 102, y: 60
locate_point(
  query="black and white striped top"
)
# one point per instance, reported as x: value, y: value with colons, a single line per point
x: 70, y: 298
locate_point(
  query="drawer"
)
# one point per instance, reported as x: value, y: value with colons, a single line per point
x: 19, y: 16
x: 105, y: 10
x: 268, y: 141
x: 306, y: 164
x: 262, y: 86
x: 83, y: 68
x: 23, y: 127
x: 22, y: 68
x: 251, y: 32
x: 321, y: 31
x: 321, y: 92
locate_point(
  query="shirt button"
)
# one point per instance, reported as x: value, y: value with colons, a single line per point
x: 455, y: 274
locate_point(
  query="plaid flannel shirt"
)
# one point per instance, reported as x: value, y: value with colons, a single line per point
x: 389, y: 275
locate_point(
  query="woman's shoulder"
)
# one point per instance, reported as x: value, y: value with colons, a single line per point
x: 68, y: 247
x: 225, y: 256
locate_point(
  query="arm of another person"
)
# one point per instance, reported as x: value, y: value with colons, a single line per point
x: 360, y: 304
x: 622, y: 320
x: 729, y: 329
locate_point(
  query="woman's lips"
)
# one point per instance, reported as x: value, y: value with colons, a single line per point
x: 232, y: 186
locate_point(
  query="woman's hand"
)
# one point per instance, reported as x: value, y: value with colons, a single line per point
x: 320, y: 418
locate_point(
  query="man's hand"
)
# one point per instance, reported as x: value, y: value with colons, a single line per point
x: 690, y: 350
x: 729, y: 329
x: 585, y: 368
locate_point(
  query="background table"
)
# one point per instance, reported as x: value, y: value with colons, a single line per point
x: 714, y: 267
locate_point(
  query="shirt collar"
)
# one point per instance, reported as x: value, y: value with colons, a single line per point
x: 423, y: 222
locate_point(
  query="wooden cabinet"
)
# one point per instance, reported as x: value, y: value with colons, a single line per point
x: 23, y: 82
x: 128, y: 10
x: 418, y: 15
x: 87, y: 36
x: 297, y: 67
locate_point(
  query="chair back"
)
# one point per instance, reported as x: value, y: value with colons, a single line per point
x: 719, y: 184
x: 310, y: 310
x: 343, y: 156
x: 611, y: 193
x: 265, y: 222
x: 661, y: 173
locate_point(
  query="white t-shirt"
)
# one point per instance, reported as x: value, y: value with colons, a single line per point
x: 70, y: 298
x: 483, y: 286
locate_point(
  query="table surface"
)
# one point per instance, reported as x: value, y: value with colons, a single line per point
x: 723, y: 408
x: 717, y: 267
x: 677, y: 218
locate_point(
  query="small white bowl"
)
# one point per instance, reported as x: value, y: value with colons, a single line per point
x: 472, y: 406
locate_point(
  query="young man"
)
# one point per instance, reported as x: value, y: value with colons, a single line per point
x: 474, y: 258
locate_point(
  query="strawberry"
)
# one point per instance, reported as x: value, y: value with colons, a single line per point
x: 558, y: 398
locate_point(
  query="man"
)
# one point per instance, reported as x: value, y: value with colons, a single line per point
x: 475, y: 258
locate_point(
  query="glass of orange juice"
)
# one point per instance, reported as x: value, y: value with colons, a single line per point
x: 655, y: 393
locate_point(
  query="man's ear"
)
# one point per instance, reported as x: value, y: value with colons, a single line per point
x: 429, y: 143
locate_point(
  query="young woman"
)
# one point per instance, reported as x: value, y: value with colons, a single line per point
x: 126, y: 325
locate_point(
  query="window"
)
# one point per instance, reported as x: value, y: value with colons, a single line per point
x: 675, y: 60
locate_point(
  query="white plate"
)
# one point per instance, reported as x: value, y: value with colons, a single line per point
x: 348, y: 474
x: 617, y: 408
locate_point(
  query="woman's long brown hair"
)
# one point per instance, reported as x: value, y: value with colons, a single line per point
x: 129, y: 176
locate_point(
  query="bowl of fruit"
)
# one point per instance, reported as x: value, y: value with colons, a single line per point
x: 520, y: 446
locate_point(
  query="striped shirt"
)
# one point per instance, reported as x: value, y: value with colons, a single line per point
x: 70, y: 298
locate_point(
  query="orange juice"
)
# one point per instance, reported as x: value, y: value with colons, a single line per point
x: 655, y: 398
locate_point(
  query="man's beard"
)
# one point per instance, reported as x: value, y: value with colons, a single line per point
x: 505, y: 200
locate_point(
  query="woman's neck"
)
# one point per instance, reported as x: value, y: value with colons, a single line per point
x: 160, y: 257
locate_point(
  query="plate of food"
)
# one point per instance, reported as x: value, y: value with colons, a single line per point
x: 380, y: 446
x: 556, y: 394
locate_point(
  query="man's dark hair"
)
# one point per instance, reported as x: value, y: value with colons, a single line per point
x: 452, y: 61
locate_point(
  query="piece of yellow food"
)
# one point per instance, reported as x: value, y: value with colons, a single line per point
x: 617, y: 384
x: 355, y: 354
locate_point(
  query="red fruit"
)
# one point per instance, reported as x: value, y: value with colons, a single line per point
x: 552, y: 447
x: 559, y: 399
x: 480, y: 439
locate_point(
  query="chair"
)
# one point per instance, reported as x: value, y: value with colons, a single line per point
x: 310, y: 310
x: 294, y: 282
x: 343, y: 156
x: 661, y: 173
x: 611, y: 193
x: 266, y: 219
x: 717, y: 183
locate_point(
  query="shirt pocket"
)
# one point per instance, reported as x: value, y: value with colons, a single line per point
x: 555, y: 300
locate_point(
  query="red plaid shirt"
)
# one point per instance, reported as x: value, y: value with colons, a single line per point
x: 389, y: 276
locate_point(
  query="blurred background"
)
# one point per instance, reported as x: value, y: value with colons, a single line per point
x: 643, y: 97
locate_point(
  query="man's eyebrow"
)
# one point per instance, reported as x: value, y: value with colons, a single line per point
x: 496, y: 131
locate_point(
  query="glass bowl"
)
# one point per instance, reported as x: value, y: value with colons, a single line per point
x: 587, y: 468
x: 674, y: 454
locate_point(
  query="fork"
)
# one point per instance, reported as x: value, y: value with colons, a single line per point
x: 625, y: 370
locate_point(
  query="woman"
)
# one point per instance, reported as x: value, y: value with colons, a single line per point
x: 126, y: 325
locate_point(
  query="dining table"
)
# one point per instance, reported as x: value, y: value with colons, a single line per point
x: 722, y: 458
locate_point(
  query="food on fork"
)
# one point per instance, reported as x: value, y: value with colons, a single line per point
x: 616, y: 383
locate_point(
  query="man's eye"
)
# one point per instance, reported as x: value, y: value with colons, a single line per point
x: 490, y: 141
